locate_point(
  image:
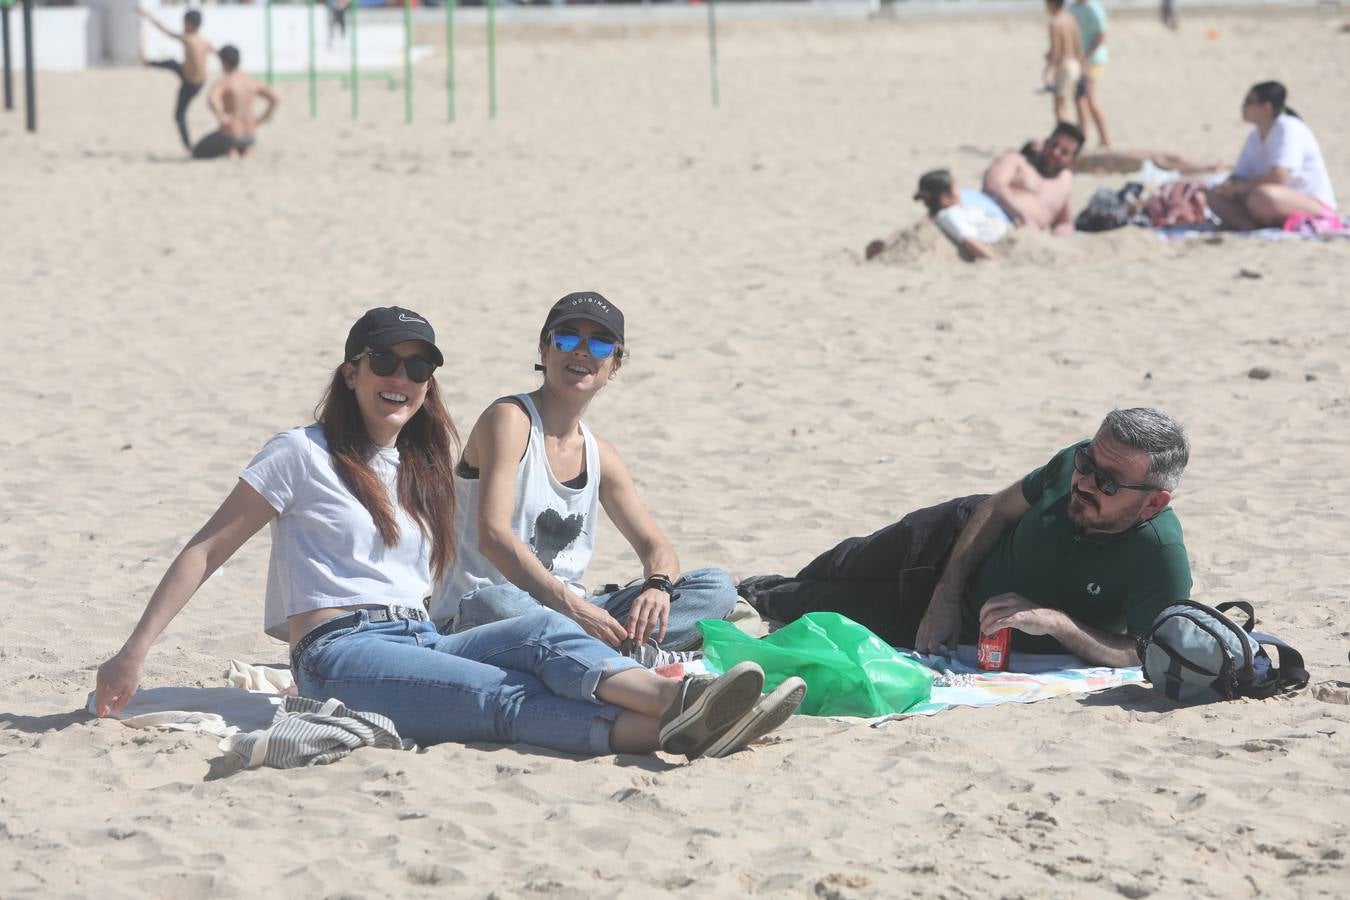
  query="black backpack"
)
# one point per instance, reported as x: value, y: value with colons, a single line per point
x: 1193, y: 652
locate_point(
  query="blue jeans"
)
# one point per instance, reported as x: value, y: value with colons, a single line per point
x: 700, y: 594
x: 530, y: 680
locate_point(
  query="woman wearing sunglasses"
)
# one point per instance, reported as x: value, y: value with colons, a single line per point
x: 362, y: 509
x: 531, y: 482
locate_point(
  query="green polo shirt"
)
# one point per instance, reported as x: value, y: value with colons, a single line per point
x: 1115, y: 582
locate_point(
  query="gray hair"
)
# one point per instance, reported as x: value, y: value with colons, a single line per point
x: 1156, y: 433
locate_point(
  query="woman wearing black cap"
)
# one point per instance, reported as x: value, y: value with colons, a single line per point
x: 362, y: 505
x: 531, y: 482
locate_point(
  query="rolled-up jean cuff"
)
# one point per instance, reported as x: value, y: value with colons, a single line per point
x: 601, y: 728
x: 591, y: 678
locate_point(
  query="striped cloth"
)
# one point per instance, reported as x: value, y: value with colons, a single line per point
x: 312, y: 733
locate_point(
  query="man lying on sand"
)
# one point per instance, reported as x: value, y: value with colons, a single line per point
x: 1080, y: 555
x: 233, y: 100
x: 1034, y: 193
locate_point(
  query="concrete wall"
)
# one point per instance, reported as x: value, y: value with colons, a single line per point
x: 71, y: 38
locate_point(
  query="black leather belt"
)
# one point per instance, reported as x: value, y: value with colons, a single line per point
x: 351, y: 620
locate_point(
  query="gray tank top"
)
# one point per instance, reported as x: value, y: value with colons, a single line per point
x: 556, y: 521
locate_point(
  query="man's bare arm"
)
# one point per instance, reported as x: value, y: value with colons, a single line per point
x: 941, y: 625
x: 160, y: 25
x: 215, y: 101
x: 271, y: 98
x: 998, y: 184
x: 1063, y: 222
x: 1084, y: 641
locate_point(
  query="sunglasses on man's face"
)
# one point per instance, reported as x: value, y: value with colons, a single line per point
x: 385, y: 362
x: 601, y: 347
x: 1107, y: 484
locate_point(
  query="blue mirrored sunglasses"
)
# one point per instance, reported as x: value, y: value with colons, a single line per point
x: 600, y: 347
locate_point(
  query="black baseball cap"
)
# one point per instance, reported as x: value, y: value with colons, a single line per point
x: 382, y: 327
x: 587, y: 305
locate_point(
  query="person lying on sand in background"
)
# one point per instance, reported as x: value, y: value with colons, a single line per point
x: 1280, y: 171
x: 191, y: 71
x: 233, y: 101
x: 362, y: 509
x: 1080, y: 555
x: 973, y: 228
x: 531, y: 484
x: 1035, y: 193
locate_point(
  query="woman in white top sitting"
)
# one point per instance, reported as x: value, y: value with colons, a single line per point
x: 531, y: 484
x: 971, y: 220
x: 1280, y: 171
x: 362, y: 505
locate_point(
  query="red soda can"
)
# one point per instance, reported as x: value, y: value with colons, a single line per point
x: 991, y: 653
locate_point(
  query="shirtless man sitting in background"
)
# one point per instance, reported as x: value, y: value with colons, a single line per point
x: 232, y: 101
x: 1037, y: 195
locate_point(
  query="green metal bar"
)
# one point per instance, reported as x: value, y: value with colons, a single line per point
x: 712, y: 52
x: 313, y: 81
x: 450, y: 57
x: 356, y: 81
x: 267, y: 19
x: 407, y: 62
x: 492, y: 58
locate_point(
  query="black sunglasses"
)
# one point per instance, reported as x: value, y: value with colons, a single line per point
x: 1086, y: 465
x: 385, y: 362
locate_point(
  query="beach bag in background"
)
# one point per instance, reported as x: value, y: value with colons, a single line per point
x: 1194, y: 653
x: 848, y: 670
x: 1179, y: 202
x: 1108, y: 209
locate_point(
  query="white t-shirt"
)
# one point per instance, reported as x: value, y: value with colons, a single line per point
x: 1289, y: 144
x: 961, y: 223
x: 558, y: 522
x: 326, y: 550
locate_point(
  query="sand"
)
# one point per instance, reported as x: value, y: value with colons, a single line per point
x: 161, y: 320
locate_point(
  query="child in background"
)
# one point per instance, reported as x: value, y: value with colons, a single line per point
x: 191, y: 71
x: 1091, y: 19
x: 966, y: 217
x: 1064, y: 59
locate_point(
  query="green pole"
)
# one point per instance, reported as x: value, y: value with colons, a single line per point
x: 313, y: 75
x: 407, y: 62
x: 267, y: 29
x: 450, y: 56
x: 712, y: 52
x: 492, y: 58
x: 356, y: 79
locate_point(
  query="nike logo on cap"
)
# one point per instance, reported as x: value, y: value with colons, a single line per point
x: 403, y: 317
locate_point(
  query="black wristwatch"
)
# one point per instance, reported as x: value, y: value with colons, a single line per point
x: 660, y: 582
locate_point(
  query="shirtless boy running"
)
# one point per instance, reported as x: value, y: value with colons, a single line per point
x: 233, y: 101
x: 1035, y: 193
x: 191, y: 71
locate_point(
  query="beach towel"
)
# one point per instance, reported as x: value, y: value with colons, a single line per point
x: 958, y: 682
x: 313, y: 733
x: 1033, y: 677
x: 1210, y: 231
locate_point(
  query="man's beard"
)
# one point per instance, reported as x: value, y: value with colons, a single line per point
x: 1083, y: 510
x: 1045, y: 168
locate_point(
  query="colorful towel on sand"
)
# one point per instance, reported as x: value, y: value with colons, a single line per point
x: 1037, y: 677
x: 1202, y: 232
x: 960, y: 683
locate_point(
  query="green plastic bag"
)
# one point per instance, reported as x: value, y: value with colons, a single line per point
x: 848, y: 670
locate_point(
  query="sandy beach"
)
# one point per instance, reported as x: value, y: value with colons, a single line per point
x: 163, y: 319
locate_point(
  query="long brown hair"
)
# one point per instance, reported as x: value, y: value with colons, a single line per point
x: 427, y: 446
